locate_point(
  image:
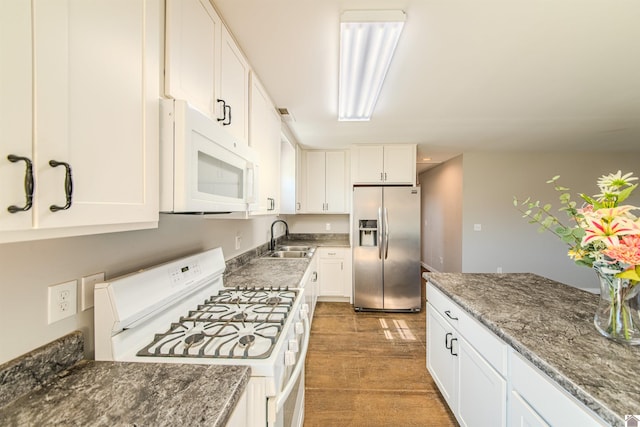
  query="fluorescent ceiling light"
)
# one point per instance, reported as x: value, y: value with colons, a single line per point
x: 367, y: 42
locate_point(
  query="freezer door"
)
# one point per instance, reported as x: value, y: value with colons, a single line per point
x: 401, y: 254
x: 367, y: 248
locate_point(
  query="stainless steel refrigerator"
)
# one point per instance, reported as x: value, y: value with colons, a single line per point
x: 386, y: 248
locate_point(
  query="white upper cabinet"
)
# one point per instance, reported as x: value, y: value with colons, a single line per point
x: 265, y: 140
x: 205, y: 67
x: 326, y: 180
x: 234, y: 89
x: 390, y: 164
x: 193, y: 31
x: 16, y: 101
x: 93, y: 132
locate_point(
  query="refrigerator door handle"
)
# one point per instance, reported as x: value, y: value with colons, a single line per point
x: 380, y: 232
x: 386, y: 233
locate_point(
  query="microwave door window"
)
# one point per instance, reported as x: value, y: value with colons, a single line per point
x: 218, y: 178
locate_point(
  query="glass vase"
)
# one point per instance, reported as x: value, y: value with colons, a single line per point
x: 618, y: 316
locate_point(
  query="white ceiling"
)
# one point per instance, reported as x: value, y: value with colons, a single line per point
x: 468, y: 75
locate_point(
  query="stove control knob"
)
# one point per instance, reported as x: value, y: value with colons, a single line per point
x: 304, y: 311
x: 299, y: 328
x: 293, y: 345
x: 289, y: 358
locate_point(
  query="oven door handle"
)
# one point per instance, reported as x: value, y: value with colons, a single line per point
x: 275, y: 405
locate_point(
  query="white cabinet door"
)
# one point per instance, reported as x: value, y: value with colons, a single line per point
x: 368, y: 166
x: 96, y: 109
x: 442, y: 365
x: 399, y: 164
x: 315, y: 181
x: 192, y: 40
x: 523, y: 415
x: 265, y: 139
x: 482, y: 392
x: 16, y: 126
x: 336, y: 182
x: 326, y: 182
x: 234, y: 88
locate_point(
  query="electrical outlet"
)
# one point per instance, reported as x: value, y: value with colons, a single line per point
x: 499, y: 270
x: 63, y: 301
x: 327, y: 226
x: 87, y: 286
x: 477, y: 227
x: 238, y: 241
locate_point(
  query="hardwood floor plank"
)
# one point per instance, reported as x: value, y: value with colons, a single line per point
x: 368, y: 369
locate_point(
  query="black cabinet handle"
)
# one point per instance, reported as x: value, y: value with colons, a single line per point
x: 228, y: 122
x: 447, y: 344
x: 448, y: 313
x: 224, y: 110
x: 451, y: 347
x: 68, y: 185
x: 28, y: 184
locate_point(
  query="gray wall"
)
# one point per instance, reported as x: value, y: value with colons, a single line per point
x: 442, y: 216
x: 490, y: 180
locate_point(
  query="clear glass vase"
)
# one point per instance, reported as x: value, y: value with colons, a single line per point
x: 618, y: 316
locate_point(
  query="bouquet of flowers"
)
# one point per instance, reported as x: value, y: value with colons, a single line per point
x: 603, y: 234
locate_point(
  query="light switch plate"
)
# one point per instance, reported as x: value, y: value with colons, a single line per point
x: 63, y: 301
x: 87, y: 285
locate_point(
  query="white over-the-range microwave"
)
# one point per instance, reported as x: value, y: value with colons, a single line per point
x: 204, y: 170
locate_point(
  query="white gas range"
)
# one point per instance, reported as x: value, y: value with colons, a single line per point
x: 180, y: 312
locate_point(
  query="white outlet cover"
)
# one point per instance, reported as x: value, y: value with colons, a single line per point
x: 87, y: 286
x: 62, y: 301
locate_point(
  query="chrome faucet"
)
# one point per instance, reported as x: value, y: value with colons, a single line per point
x: 272, y: 242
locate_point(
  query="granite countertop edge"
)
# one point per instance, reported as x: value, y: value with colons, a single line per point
x: 529, y: 352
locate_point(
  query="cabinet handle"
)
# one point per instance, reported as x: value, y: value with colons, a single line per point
x: 381, y: 176
x: 451, y: 348
x: 273, y: 204
x: 28, y: 184
x: 448, y: 313
x: 224, y: 110
x: 315, y: 276
x: 385, y: 176
x: 68, y: 185
x: 447, y: 344
x: 297, y: 206
x: 228, y: 122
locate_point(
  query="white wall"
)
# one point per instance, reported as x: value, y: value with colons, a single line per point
x: 318, y: 223
x: 490, y: 180
x: 442, y: 216
x: 28, y: 268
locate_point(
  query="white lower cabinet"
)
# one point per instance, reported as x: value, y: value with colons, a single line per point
x: 521, y: 414
x: 473, y: 389
x: 334, y: 266
x: 487, y: 383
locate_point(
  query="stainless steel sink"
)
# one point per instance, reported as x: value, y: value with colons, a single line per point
x: 295, y: 248
x: 290, y: 254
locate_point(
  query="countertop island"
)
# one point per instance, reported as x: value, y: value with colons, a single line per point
x: 551, y: 325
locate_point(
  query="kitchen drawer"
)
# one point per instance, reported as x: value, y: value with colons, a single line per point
x: 484, y: 341
x: 331, y: 252
x: 543, y: 396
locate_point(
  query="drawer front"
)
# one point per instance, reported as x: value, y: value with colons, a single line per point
x: 331, y: 252
x: 443, y: 305
x: 554, y: 405
x: 484, y: 341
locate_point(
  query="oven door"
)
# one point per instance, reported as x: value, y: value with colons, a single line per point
x: 287, y: 409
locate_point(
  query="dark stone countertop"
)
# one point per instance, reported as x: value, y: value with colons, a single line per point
x: 40, y: 388
x: 551, y: 325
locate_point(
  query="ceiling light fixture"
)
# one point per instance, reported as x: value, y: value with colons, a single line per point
x: 368, y: 40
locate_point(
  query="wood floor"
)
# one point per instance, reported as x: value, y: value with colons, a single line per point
x: 368, y: 369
